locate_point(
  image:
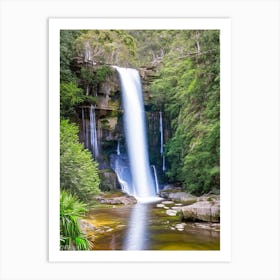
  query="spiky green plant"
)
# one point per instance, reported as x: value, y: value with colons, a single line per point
x: 71, y: 236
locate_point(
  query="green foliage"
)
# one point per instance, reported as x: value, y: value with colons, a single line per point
x: 87, y: 75
x: 91, y: 77
x: 71, y: 237
x: 102, y: 73
x: 188, y: 90
x: 114, y: 47
x: 78, y: 172
x: 152, y: 45
x: 70, y: 97
x: 90, y: 99
x: 67, y: 52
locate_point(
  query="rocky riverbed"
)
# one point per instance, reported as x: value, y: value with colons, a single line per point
x: 204, y: 208
x: 170, y: 224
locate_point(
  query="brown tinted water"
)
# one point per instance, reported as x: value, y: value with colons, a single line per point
x: 147, y: 227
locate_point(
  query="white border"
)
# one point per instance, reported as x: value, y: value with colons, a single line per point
x: 224, y: 254
x: 255, y: 139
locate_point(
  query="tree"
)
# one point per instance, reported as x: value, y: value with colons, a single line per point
x: 188, y: 88
x: 67, y: 52
x: 78, y: 172
x: 114, y: 47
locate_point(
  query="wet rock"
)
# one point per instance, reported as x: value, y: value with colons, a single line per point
x: 168, y: 187
x: 85, y: 226
x: 166, y: 202
x: 160, y: 205
x: 171, y: 212
x: 208, y: 226
x: 210, y: 198
x: 178, y: 196
x: 208, y: 211
x: 120, y: 200
x: 99, y: 231
x: 180, y: 227
x: 176, y: 208
x: 108, y: 179
x: 120, y: 226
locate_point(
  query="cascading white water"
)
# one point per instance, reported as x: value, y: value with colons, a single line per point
x: 161, y: 132
x: 156, y: 178
x: 163, y: 163
x: 118, y: 148
x: 84, y: 126
x: 119, y: 163
x: 161, y: 141
x: 87, y: 140
x: 93, y: 133
x: 135, y: 133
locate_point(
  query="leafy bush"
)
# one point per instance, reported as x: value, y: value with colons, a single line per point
x: 71, y: 236
x: 70, y: 97
x: 78, y: 171
x: 102, y: 73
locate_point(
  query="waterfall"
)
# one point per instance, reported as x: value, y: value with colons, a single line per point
x: 156, y: 179
x: 85, y: 129
x: 136, y: 135
x: 84, y: 126
x: 161, y: 132
x: 119, y: 163
x: 93, y: 133
x: 161, y: 141
x: 118, y: 148
x: 163, y: 163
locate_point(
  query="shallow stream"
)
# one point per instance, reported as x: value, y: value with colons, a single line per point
x: 148, y: 227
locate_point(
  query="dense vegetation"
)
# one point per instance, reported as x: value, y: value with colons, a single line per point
x: 79, y: 52
x: 79, y: 181
x: 188, y: 91
x: 78, y: 171
x: 186, y: 88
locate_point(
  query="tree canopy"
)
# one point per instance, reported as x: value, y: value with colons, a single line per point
x: 188, y: 90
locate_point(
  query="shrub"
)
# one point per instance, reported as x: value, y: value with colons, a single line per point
x: 71, y: 236
x: 78, y: 171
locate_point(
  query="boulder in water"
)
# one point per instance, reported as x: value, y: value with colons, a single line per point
x: 178, y: 196
x: 119, y: 200
x: 208, y: 211
x: 171, y: 212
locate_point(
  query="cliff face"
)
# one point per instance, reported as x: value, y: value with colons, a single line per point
x: 106, y: 99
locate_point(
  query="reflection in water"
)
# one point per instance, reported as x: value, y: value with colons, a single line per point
x: 147, y: 227
x: 136, y: 235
